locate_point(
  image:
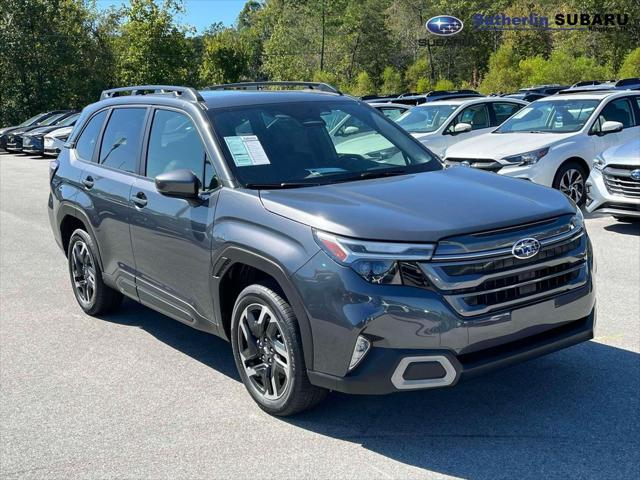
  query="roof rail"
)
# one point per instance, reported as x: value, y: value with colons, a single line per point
x: 323, y: 87
x: 187, y: 92
x: 627, y: 81
x: 438, y: 93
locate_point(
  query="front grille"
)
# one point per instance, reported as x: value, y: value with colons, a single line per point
x: 486, y: 281
x: 481, y: 163
x: 618, y: 180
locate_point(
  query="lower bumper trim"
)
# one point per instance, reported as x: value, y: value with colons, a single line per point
x: 383, y: 369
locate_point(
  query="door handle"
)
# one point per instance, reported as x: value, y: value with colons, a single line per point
x: 88, y: 182
x: 140, y: 199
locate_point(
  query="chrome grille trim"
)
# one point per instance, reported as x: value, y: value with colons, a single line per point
x: 570, y: 235
x: 618, y: 181
x: 484, y: 282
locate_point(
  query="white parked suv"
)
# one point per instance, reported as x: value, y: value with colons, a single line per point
x: 442, y: 123
x: 554, y: 140
x: 614, y: 184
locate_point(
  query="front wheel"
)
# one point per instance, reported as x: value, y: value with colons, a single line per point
x: 570, y: 180
x: 90, y: 291
x: 268, y: 353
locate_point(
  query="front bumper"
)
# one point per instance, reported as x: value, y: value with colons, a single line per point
x: 33, y: 145
x: 406, y: 321
x: 599, y: 199
x: 376, y: 375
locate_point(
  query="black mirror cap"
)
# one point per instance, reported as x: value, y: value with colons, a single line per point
x: 178, y: 183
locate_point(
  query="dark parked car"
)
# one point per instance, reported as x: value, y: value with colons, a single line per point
x: 531, y: 94
x: 33, y: 121
x: 369, y: 271
x: 33, y: 140
x: 15, y: 137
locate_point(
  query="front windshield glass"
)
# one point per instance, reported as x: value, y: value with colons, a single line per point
x: 425, y: 119
x: 551, y: 116
x: 26, y: 123
x: 51, y: 120
x: 309, y: 143
x: 70, y: 120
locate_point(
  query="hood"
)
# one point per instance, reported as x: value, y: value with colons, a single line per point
x: 43, y: 130
x: 60, y: 132
x: 424, y: 207
x: 423, y: 136
x: 7, y: 130
x: 500, y: 145
x: 625, y: 154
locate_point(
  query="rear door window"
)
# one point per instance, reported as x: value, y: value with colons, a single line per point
x: 120, y: 147
x: 503, y: 111
x: 86, y: 144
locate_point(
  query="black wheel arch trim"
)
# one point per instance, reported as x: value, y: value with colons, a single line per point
x: 67, y: 209
x: 236, y: 254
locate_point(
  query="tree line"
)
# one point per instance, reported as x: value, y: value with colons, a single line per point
x: 62, y: 53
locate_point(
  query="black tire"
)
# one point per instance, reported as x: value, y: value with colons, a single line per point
x: 563, y: 181
x: 297, y: 393
x: 626, y: 219
x: 101, y: 298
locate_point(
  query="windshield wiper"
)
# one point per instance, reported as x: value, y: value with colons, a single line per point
x: 281, y: 185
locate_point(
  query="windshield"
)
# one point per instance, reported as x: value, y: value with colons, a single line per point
x: 27, y: 123
x: 310, y: 143
x: 70, y: 120
x: 51, y: 120
x: 427, y: 118
x: 553, y: 116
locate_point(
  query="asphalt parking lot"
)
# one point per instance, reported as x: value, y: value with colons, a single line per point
x: 138, y: 395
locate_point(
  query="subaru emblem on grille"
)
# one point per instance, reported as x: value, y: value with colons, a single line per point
x: 526, y: 248
x: 635, y: 174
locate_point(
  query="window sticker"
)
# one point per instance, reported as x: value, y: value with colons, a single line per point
x: 246, y: 151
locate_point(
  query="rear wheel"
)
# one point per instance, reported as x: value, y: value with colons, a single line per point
x: 570, y: 180
x: 90, y: 291
x: 268, y: 353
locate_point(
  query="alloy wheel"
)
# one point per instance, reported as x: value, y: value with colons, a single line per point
x: 572, y: 184
x: 84, y: 272
x: 263, y: 351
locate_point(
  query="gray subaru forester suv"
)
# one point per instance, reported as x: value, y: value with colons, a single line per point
x: 326, y: 244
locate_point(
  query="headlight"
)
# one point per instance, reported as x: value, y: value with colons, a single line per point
x: 577, y: 221
x: 528, y: 158
x: 376, y: 262
x: 599, y: 164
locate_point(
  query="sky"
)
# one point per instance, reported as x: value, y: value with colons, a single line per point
x: 199, y: 13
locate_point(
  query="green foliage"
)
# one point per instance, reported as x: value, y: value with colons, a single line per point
x: 62, y: 53
x: 503, y: 74
x: 225, y: 58
x: 631, y: 65
x: 391, y: 81
x: 444, y: 84
x: 151, y: 47
x: 363, y: 85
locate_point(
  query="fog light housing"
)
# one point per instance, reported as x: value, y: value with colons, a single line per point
x: 359, y: 351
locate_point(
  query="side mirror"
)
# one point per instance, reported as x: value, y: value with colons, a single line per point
x: 462, y: 128
x: 610, y: 127
x: 178, y: 183
x: 350, y: 130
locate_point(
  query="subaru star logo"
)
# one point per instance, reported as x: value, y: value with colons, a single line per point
x: 635, y: 174
x: 525, y: 248
x: 444, y: 25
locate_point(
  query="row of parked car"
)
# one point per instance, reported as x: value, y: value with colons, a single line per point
x: 41, y: 134
x: 559, y: 139
x: 554, y: 135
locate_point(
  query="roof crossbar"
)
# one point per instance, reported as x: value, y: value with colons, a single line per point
x: 187, y: 93
x: 322, y: 87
